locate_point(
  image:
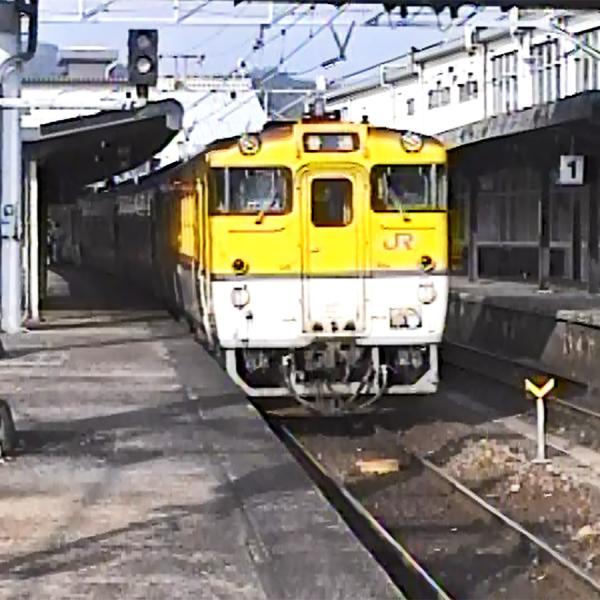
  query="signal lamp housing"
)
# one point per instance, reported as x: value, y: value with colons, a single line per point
x: 142, y: 64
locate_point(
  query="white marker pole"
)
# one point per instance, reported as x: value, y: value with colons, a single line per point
x: 541, y: 430
x: 540, y: 393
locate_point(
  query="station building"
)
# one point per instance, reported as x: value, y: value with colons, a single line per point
x: 518, y: 107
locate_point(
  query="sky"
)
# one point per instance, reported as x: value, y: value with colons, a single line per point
x: 300, y: 50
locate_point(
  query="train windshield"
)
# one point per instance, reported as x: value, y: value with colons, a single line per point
x: 408, y: 187
x: 249, y: 191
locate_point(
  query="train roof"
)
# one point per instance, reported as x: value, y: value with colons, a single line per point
x: 272, y: 126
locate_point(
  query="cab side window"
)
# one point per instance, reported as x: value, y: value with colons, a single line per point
x: 238, y: 191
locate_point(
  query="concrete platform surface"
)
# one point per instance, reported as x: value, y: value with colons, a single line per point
x: 561, y: 302
x: 555, y: 332
x: 144, y: 473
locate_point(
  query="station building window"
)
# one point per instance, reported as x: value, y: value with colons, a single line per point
x: 467, y: 91
x: 505, y: 82
x: 546, y: 72
x: 586, y: 67
x: 439, y: 96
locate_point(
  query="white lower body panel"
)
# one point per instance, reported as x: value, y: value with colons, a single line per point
x: 275, y: 318
x: 276, y: 315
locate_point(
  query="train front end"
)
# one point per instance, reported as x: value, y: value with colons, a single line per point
x: 328, y: 261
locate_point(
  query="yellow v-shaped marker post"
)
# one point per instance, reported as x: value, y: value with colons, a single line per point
x: 540, y: 393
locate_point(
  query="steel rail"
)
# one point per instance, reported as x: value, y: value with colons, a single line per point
x: 581, y: 577
x: 519, y: 529
x: 517, y: 364
x: 576, y: 407
x: 355, y: 506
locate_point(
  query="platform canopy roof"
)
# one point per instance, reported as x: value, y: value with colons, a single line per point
x: 584, y: 109
x: 86, y: 149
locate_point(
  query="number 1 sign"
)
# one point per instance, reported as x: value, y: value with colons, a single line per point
x: 571, y: 170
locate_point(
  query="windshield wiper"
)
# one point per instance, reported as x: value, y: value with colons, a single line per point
x: 260, y: 217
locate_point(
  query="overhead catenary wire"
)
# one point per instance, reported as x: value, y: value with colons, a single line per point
x: 203, y: 43
x: 445, y: 28
x: 275, y: 70
x: 406, y: 22
x: 271, y: 39
x: 251, y: 52
x: 372, y: 66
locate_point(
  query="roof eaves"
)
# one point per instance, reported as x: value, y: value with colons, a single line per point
x: 356, y: 88
x: 431, y: 52
x: 456, y: 45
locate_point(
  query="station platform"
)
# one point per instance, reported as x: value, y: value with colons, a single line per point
x: 144, y: 473
x: 555, y: 332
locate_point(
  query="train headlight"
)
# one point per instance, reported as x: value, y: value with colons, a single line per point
x: 411, y: 142
x: 413, y: 320
x: 426, y: 293
x: 239, y: 266
x: 249, y: 144
x: 240, y: 297
x: 404, y: 318
x: 427, y: 263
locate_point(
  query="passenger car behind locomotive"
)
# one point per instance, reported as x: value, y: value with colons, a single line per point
x: 312, y: 257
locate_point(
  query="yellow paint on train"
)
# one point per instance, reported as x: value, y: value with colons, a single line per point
x: 286, y: 244
x: 188, y: 225
x: 399, y: 245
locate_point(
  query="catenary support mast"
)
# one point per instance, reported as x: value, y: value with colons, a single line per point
x: 10, y: 203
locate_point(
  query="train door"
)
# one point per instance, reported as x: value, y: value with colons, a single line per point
x: 333, y: 209
x: 204, y: 260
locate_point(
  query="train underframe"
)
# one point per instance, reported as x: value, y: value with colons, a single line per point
x: 332, y: 377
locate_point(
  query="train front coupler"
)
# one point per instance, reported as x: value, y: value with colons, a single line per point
x: 320, y: 390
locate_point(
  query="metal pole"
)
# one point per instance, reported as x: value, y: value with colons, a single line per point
x: 544, y: 228
x: 593, y: 233
x: 10, y: 204
x: 472, y: 250
x: 25, y: 246
x: 34, y: 243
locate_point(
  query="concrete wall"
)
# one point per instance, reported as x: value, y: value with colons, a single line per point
x: 527, y: 332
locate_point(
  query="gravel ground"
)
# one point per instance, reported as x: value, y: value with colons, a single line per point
x: 559, y: 502
x: 543, y: 498
x: 578, y: 428
x: 470, y: 554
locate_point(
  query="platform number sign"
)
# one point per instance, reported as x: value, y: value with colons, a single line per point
x: 571, y: 170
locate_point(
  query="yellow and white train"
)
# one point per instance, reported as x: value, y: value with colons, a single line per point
x: 312, y: 257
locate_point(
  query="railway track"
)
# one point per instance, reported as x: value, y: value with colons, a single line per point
x: 412, y: 579
x: 571, y: 413
x: 436, y: 537
x: 429, y: 527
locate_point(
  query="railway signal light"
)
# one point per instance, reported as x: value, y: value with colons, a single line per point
x: 142, y: 64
